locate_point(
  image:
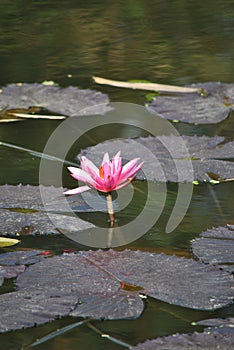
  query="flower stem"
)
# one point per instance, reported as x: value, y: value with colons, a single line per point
x: 110, y: 209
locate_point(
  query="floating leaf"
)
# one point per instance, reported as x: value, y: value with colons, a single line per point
x: 218, y: 322
x: 29, y: 197
x: 13, y: 263
x: 151, y: 96
x: 10, y: 272
x: 193, y: 156
x: 22, y: 257
x: 192, y: 108
x: 5, y: 241
x: 24, y: 213
x: 32, y: 112
x: 88, y: 284
x: 205, y: 341
x: 69, y: 101
x: 29, y: 308
x: 216, y: 246
x: 20, y: 223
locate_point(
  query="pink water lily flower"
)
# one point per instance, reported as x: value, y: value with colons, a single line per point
x: 111, y: 175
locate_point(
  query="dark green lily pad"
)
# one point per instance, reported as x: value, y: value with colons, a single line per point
x: 23, y: 211
x: 29, y: 308
x: 216, y: 247
x: 13, y: 263
x: 218, y: 322
x: 192, y: 108
x: 224, y: 92
x: 21, y: 257
x: 10, y: 272
x: 69, y: 101
x: 17, y: 223
x: 219, y: 334
x: 172, y: 158
x: 205, y: 341
x: 109, y: 284
x: 29, y: 197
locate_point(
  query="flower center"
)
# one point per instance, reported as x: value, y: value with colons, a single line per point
x: 101, y: 172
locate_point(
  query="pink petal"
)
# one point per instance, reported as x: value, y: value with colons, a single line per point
x: 98, y: 180
x: 124, y: 184
x: 77, y: 190
x: 81, y: 175
x: 107, y: 171
x: 129, y: 169
x: 106, y: 158
x: 116, y: 164
x: 117, y: 176
x: 134, y: 171
x: 110, y: 184
x: 102, y: 188
x: 117, y: 155
x: 88, y: 166
x: 99, y: 184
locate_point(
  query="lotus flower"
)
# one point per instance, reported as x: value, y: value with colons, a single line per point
x: 111, y: 175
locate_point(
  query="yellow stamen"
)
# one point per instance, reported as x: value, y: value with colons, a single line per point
x: 101, y: 172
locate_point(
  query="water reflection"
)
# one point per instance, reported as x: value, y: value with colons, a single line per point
x: 179, y: 42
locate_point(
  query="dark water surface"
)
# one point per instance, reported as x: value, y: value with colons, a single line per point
x: 171, y: 42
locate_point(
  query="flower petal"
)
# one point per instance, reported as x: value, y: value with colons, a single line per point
x: 117, y: 154
x: 137, y: 168
x: 125, y: 183
x: 106, y: 171
x: 111, y: 175
x: 129, y: 169
x: 88, y: 166
x: 77, y: 190
x: 106, y: 158
x: 81, y: 175
x: 116, y: 164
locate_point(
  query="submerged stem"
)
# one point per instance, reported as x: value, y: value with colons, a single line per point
x: 35, y: 153
x: 110, y: 209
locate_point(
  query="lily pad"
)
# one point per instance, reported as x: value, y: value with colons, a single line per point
x: 192, y: 108
x: 27, y: 309
x: 10, y: 272
x: 109, y: 284
x: 29, y: 197
x: 172, y: 158
x: 218, y: 323
x: 17, y: 223
x: 205, y: 341
x: 13, y: 263
x: 21, y: 257
x: 23, y: 211
x: 216, y: 246
x: 220, y: 337
x: 69, y: 101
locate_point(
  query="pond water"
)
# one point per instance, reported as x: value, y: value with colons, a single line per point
x: 176, y: 42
